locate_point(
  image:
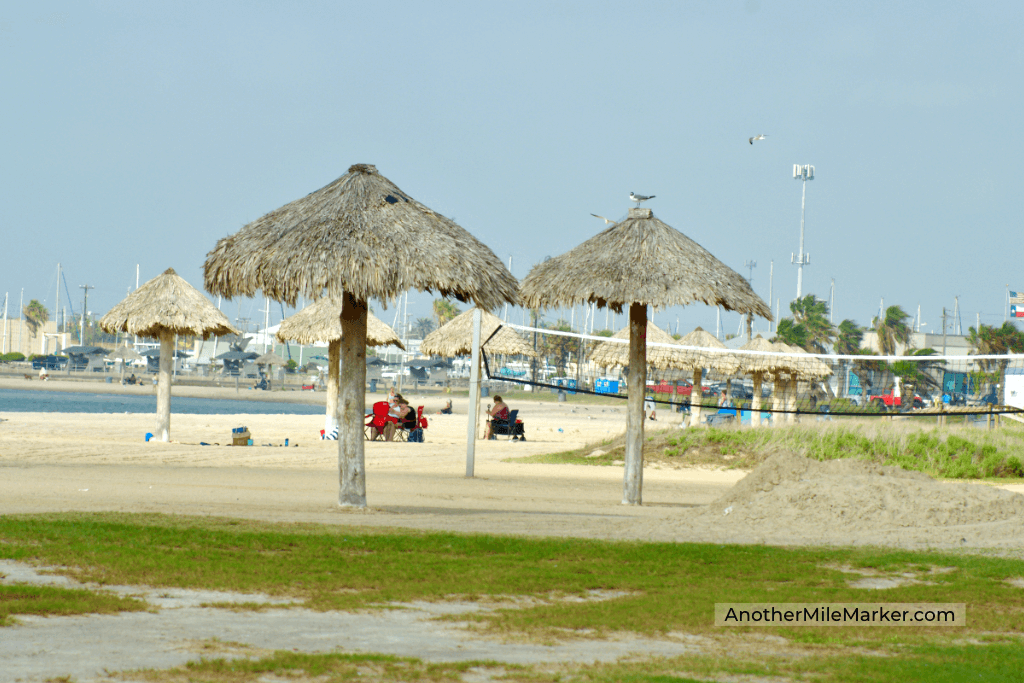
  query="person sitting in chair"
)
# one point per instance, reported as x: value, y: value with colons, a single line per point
x: 447, y: 410
x: 499, y: 411
x: 405, y: 414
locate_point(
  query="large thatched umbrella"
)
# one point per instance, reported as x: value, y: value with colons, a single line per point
x: 161, y: 308
x: 636, y: 263
x: 695, y: 360
x: 321, y: 322
x: 455, y: 338
x: 358, y: 238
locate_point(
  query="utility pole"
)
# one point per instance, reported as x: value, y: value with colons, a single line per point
x: 85, y: 305
x: 56, y: 307
x: 802, y: 172
x: 6, y: 295
x: 21, y: 314
x: 943, y: 330
x: 832, y: 301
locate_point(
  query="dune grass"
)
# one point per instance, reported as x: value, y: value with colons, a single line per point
x: 941, y: 452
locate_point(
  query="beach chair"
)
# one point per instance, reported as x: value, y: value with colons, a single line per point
x: 513, y: 427
x: 379, y: 417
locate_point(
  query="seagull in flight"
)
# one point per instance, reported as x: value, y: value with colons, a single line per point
x: 606, y: 220
x: 639, y: 198
x: 762, y: 136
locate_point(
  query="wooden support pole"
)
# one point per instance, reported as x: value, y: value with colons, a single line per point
x: 636, y: 383
x: 163, y: 387
x: 351, y: 457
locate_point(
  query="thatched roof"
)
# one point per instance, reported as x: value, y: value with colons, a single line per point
x: 321, y: 322
x: 610, y: 354
x: 362, y: 235
x: 803, y: 368
x: 270, y: 358
x: 455, y: 337
x: 639, y: 260
x: 757, y: 363
x: 692, y: 358
x: 125, y: 353
x: 167, y: 304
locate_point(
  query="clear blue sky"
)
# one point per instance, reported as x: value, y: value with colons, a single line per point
x: 140, y: 133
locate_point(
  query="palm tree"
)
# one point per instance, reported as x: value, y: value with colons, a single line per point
x: 790, y: 332
x: 422, y: 327
x: 444, y: 311
x: 988, y: 340
x: 556, y: 348
x: 812, y: 314
x: 892, y: 330
x: 848, y: 338
x: 35, y: 315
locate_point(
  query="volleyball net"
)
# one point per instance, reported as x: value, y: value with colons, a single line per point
x: 763, y: 378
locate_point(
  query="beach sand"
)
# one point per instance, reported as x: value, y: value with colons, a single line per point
x: 101, y: 462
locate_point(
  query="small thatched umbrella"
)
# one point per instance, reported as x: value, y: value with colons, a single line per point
x: 695, y: 360
x: 358, y: 238
x: 161, y: 308
x: 321, y: 322
x: 638, y: 262
x: 758, y: 366
x: 124, y: 354
x: 455, y: 338
x: 610, y: 354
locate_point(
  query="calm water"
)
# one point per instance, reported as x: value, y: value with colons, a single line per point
x: 15, y: 401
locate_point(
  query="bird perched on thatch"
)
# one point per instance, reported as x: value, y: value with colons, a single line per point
x: 762, y: 136
x: 639, y: 198
x: 606, y: 220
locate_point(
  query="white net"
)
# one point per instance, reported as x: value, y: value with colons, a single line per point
x: 698, y: 373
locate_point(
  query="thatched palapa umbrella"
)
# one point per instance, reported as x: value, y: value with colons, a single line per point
x: 124, y: 354
x: 358, y: 238
x: 609, y: 354
x: 758, y: 367
x: 696, y: 360
x: 636, y: 263
x: 321, y: 322
x: 455, y: 338
x: 161, y: 308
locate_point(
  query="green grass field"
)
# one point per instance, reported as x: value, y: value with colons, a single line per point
x: 656, y: 589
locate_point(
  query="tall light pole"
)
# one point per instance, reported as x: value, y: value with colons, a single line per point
x: 802, y: 172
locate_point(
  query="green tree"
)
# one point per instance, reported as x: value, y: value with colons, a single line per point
x: 556, y: 348
x: 444, y: 311
x: 989, y: 341
x: 790, y: 332
x: 607, y: 333
x: 811, y: 313
x: 423, y: 326
x: 35, y: 315
x: 848, y: 338
x: 892, y: 329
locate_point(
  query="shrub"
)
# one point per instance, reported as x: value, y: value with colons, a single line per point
x: 12, y: 357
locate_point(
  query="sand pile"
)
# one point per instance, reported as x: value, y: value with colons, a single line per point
x: 793, y: 499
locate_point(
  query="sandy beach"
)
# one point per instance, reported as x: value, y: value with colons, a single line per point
x: 101, y: 462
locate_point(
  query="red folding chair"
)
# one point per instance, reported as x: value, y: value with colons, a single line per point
x: 374, y: 429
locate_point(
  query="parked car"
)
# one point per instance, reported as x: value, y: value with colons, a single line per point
x: 49, y: 362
